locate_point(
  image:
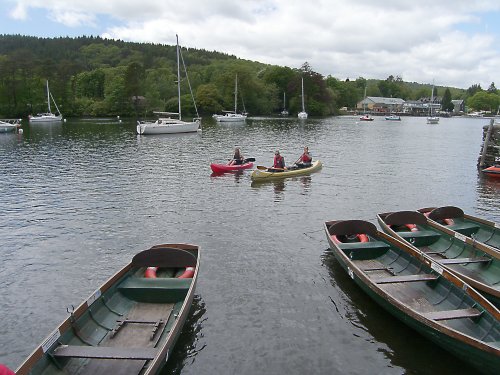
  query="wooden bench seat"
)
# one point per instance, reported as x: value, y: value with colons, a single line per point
x: 406, y: 278
x: 465, y: 260
x: 453, y: 314
x: 161, y: 289
x: 106, y: 352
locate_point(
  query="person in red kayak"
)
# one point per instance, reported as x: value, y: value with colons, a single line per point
x: 237, y: 158
x: 279, y: 161
x: 305, y: 159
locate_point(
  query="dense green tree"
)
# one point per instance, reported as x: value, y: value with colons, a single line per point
x: 446, y: 104
x: 484, y: 101
x: 492, y: 89
x: 474, y: 89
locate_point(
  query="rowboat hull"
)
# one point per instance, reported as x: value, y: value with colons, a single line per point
x: 453, y: 218
x: 493, y: 171
x: 223, y: 168
x: 473, y: 262
x: 264, y: 175
x: 419, y: 292
x: 127, y: 326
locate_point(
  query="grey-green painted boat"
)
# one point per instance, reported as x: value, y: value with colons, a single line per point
x: 454, y: 218
x: 474, y: 262
x: 130, y: 324
x: 419, y: 292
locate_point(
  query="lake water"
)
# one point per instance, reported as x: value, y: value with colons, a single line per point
x: 79, y: 199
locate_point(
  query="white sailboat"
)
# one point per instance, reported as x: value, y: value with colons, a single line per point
x: 48, y: 116
x: 284, y: 112
x: 303, y: 113
x: 232, y: 116
x: 9, y: 125
x: 366, y: 116
x: 165, y: 123
x: 432, y: 119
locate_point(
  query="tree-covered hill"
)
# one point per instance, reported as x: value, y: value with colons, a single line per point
x: 92, y: 76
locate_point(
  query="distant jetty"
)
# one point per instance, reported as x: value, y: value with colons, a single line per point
x: 490, y: 151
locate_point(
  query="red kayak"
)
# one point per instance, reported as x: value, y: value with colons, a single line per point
x: 223, y: 168
x: 493, y: 171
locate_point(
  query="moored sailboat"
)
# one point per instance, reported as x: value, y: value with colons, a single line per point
x: 165, y: 123
x: 303, y: 113
x: 232, y: 116
x: 432, y: 119
x: 48, y: 116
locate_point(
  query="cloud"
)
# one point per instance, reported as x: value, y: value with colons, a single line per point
x: 419, y: 41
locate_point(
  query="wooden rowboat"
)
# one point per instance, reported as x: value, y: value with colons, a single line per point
x: 130, y: 324
x: 456, y: 220
x: 419, y: 292
x: 473, y: 262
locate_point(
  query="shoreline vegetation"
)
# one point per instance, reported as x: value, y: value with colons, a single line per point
x: 91, y: 76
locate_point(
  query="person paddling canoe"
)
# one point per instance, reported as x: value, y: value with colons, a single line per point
x: 305, y: 159
x: 238, y: 158
x: 279, y: 161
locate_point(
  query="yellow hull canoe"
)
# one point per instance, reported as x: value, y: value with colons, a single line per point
x: 264, y: 175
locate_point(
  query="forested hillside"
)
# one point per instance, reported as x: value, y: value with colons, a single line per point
x: 91, y: 76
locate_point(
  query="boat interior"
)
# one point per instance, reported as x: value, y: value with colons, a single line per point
x: 445, y: 248
x: 125, y: 326
x: 401, y: 277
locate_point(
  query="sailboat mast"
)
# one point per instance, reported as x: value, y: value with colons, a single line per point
x: 48, y: 96
x: 284, y: 100
x: 178, y: 78
x: 236, y: 93
x: 303, y: 107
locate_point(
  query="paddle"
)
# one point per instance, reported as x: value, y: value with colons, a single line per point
x: 262, y: 168
x: 247, y: 160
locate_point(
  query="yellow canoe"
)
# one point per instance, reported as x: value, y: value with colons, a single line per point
x: 265, y: 175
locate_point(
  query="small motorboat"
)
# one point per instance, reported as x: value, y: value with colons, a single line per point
x: 493, y: 171
x: 393, y: 118
x: 366, y: 118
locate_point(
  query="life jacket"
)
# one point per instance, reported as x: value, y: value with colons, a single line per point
x: 306, y: 158
x: 279, y: 161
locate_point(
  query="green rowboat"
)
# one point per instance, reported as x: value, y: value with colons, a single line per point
x: 267, y: 174
x: 130, y: 324
x: 455, y: 219
x: 419, y: 292
x: 473, y: 262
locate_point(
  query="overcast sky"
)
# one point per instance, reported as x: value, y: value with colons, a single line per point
x: 453, y: 42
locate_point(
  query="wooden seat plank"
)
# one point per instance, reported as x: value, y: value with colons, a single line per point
x: 106, y: 352
x: 453, y: 314
x: 465, y: 260
x: 406, y: 278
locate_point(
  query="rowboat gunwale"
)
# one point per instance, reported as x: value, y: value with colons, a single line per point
x: 457, y: 342
x: 155, y: 364
x: 491, y: 293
